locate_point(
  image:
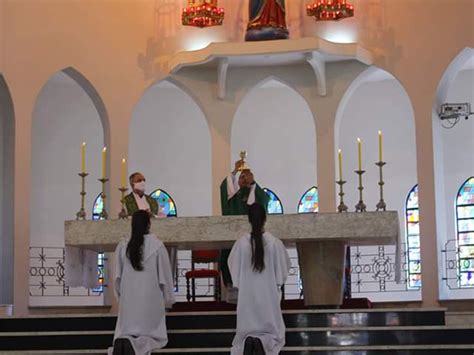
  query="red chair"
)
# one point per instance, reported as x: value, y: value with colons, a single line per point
x: 203, y: 257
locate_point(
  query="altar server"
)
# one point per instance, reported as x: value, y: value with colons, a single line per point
x: 144, y: 287
x: 259, y: 265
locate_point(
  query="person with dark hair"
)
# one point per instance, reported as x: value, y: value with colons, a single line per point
x: 259, y: 265
x: 144, y: 286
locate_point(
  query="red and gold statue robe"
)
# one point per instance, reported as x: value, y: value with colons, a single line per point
x: 267, y: 13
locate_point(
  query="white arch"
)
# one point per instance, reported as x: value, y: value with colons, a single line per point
x: 374, y: 101
x: 169, y: 141
x: 7, y: 159
x: 274, y: 123
x: 458, y: 63
x: 453, y: 162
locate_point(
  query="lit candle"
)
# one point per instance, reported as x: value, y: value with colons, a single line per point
x: 104, y: 162
x: 340, y: 164
x: 83, y: 157
x: 359, y: 144
x: 380, y: 145
x: 124, y: 181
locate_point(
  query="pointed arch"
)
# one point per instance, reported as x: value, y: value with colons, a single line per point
x: 165, y: 202
x: 309, y: 201
x: 274, y: 204
x: 276, y: 126
x: 7, y: 164
x: 464, y: 59
x: 156, y: 128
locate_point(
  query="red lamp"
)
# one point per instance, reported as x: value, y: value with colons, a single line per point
x: 330, y: 10
x: 202, y: 13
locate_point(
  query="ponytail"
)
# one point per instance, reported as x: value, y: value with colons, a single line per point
x: 140, y: 227
x: 257, y: 218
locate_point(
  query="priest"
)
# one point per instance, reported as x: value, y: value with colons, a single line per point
x: 238, y: 191
x: 137, y: 199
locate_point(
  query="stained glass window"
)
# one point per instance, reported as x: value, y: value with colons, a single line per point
x: 96, y: 209
x: 98, y: 205
x: 465, y: 233
x: 166, y: 203
x: 413, y: 239
x: 309, y: 202
x: 274, y: 204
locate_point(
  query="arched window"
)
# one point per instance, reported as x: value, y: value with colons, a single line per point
x: 97, y: 208
x: 465, y: 233
x: 309, y: 202
x: 166, y: 203
x: 274, y: 204
x: 412, y: 219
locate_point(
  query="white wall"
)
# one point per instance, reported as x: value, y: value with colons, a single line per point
x: 169, y: 142
x: 454, y: 163
x: 379, y: 103
x: 276, y: 127
x: 64, y: 117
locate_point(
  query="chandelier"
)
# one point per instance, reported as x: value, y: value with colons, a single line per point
x: 202, y: 13
x: 330, y: 10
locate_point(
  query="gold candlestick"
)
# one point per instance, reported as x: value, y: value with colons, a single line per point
x: 342, y: 206
x: 103, y: 214
x: 123, y: 212
x: 360, y: 207
x: 381, y: 205
x: 82, y: 212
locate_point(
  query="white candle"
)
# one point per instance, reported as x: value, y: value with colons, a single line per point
x: 340, y: 164
x: 380, y: 145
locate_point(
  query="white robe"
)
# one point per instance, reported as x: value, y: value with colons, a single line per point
x: 143, y: 296
x: 258, y: 308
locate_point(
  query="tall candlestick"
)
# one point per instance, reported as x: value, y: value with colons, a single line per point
x: 380, y: 145
x: 83, y: 157
x: 124, y: 181
x: 340, y: 164
x: 104, y: 163
x: 359, y: 145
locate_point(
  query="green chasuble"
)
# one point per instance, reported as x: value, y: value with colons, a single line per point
x: 237, y: 205
x: 132, y: 207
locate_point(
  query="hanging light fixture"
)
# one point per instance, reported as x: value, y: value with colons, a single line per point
x: 202, y: 13
x: 330, y: 10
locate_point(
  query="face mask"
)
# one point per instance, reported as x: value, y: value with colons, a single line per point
x: 140, y: 186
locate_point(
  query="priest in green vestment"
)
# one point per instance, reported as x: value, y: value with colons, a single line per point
x: 238, y: 191
x: 137, y: 199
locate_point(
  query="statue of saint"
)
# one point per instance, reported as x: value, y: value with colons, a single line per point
x: 266, y: 20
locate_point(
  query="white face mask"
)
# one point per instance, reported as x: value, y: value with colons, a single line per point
x: 140, y: 186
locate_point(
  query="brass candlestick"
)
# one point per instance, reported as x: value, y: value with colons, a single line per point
x: 381, y: 205
x: 342, y: 206
x: 82, y: 212
x: 123, y: 212
x: 360, y: 207
x: 103, y: 214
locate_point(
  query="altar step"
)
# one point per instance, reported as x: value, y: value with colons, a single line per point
x: 404, y: 331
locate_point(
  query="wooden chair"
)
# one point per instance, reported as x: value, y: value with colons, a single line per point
x: 203, y: 257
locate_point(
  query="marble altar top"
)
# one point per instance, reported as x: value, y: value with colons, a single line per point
x: 214, y: 232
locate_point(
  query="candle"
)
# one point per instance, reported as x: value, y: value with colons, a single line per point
x: 124, y: 181
x: 340, y: 164
x: 83, y: 157
x: 104, y: 162
x: 380, y: 145
x: 359, y: 145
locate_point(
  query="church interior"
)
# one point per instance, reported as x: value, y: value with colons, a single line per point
x: 356, y: 118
